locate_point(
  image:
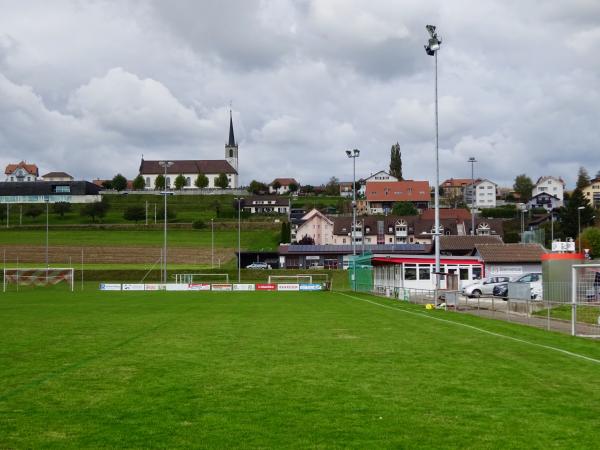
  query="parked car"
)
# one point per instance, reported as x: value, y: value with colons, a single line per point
x: 534, y: 280
x: 483, y: 287
x: 258, y: 265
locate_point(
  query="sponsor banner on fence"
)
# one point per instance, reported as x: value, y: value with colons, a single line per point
x: 110, y: 287
x: 221, y: 287
x: 288, y: 287
x: 133, y: 287
x: 266, y: 287
x: 178, y: 287
x: 199, y: 287
x: 154, y: 287
x: 311, y: 287
x: 243, y: 287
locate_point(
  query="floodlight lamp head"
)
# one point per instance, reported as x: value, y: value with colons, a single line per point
x: 431, y: 30
x: 472, y: 159
x: 356, y: 152
x: 348, y: 153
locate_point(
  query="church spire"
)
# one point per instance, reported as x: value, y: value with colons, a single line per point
x: 231, y: 142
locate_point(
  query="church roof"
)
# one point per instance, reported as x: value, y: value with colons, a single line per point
x: 205, y: 166
x: 231, y: 142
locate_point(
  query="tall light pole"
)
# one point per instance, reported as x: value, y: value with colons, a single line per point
x: 353, y: 154
x: 212, y: 243
x: 239, y: 206
x: 523, y: 211
x: 47, y: 200
x: 472, y: 160
x: 432, y: 47
x: 579, y: 208
x: 166, y: 165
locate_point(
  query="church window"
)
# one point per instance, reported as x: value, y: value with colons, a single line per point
x: 147, y: 181
x: 188, y: 181
x: 230, y: 153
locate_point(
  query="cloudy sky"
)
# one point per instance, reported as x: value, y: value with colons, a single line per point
x: 89, y: 86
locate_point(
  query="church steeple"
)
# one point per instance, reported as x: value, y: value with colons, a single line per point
x: 231, y: 148
x: 231, y: 142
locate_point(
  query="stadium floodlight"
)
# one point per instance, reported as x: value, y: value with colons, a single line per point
x: 239, y: 208
x: 353, y: 154
x: 166, y: 165
x: 579, y: 208
x: 472, y: 160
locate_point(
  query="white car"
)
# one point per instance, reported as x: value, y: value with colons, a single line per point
x: 483, y: 287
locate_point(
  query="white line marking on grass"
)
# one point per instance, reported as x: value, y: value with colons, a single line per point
x: 481, y: 330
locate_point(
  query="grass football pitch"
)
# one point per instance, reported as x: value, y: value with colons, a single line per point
x: 279, y: 370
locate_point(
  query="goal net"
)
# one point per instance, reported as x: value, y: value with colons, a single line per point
x: 187, y: 278
x: 585, y: 300
x: 38, y: 277
x: 290, y: 279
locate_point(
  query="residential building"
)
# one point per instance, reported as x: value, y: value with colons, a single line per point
x: 485, y: 194
x: 544, y: 200
x: 455, y: 187
x: 266, y: 205
x: 461, y: 214
x: 51, y: 191
x: 283, y: 185
x: 190, y: 169
x: 485, y: 227
x: 315, y: 225
x: 57, y: 176
x: 21, y: 172
x: 380, y: 177
x: 592, y: 193
x: 554, y: 186
x: 382, y: 195
x: 346, y: 189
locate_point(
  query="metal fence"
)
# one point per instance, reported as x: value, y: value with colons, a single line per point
x: 553, y: 314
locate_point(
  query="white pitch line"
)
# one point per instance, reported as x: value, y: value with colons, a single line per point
x: 481, y: 330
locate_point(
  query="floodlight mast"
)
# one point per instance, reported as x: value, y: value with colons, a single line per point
x: 166, y: 165
x: 432, y: 49
x: 353, y: 154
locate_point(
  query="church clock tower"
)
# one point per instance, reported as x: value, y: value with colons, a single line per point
x: 231, y: 148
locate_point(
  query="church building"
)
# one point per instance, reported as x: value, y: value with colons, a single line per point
x: 191, y: 168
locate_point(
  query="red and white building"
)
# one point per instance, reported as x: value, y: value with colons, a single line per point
x: 381, y: 196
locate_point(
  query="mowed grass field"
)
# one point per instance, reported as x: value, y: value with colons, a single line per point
x: 279, y: 370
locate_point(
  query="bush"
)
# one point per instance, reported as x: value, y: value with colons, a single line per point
x: 135, y: 213
x: 503, y: 212
x: 33, y: 211
x: 95, y: 210
x: 198, y: 224
x: 171, y: 213
x: 61, y: 208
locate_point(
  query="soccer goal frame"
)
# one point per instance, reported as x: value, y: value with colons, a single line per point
x: 585, y: 300
x: 187, y: 278
x: 38, y: 276
x: 300, y: 278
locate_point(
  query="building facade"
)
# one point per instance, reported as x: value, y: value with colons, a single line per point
x: 49, y: 191
x: 316, y: 226
x: 553, y: 186
x: 21, y: 172
x: 281, y: 186
x: 382, y: 196
x: 266, y: 205
x: 380, y: 177
x: 592, y: 193
x: 57, y: 176
x: 485, y: 194
x: 544, y: 200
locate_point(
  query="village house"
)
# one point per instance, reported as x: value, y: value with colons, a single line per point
x: 57, y: 176
x: 21, y: 172
x: 314, y: 225
x: 281, y: 186
x: 592, y: 193
x: 485, y: 194
x: 266, y: 205
x: 381, y: 196
x: 554, y: 186
x: 380, y: 177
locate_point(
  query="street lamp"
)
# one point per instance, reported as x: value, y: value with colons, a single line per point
x: 166, y: 165
x: 432, y: 48
x: 472, y: 160
x: 353, y: 154
x: 212, y: 243
x: 523, y: 211
x: 579, y: 208
x: 239, y: 207
x: 47, y: 200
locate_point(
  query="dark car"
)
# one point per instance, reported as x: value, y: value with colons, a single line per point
x: 500, y: 290
x: 534, y: 280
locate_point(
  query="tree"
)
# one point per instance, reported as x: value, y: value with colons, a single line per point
x: 95, y: 210
x: 171, y: 213
x: 222, y: 181
x: 179, y: 182
x: 138, y: 183
x: 276, y: 185
x: 597, y: 177
x: 404, y: 209
x: 119, y: 182
x: 33, y: 211
x: 293, y: 187
x: 333, y: 187
x: 583, y: 178
x: 308, y: 189
x: 396, y: 161
x: 256, y: 187
x: 201, y: 181
x: 217, y: 207
x: 523, y: 186
x: 61, y: 208
x: 107, y: 184
x: 306, y: 240
x: 134, y: 213
x: 285, y: 235
x: 159, y: 182
x: 570, y: 214
x: 590, y: 238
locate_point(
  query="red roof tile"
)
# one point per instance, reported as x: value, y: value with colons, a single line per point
x: 398, y: 191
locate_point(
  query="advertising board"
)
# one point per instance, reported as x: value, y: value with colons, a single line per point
x: 199, y: 287
x: 266, y: 287
x: 243, y: 287
x: 154, y: 287
x: 288, y: 287
x: 110, y: 287
x: 178, y: 287
x: 221, y: 287
x: 133, y: 287
x: 311, y: 287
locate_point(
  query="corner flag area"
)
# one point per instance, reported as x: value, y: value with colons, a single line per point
x: 283, y: 369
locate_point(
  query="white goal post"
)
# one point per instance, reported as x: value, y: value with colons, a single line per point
x: 36, y: 276
x: 187, y: 278
x: 585, y: 300
x: 301, y: 278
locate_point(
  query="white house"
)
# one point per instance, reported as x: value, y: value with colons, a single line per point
x: 57, y: 176
x: 380, y: 177
x: 191, y: 168
x: 485, y: 194
x: 281, y: 186
x: 554, y: 186
x: 266, y: 205
x: 21, y: 172
x: 315, y: 225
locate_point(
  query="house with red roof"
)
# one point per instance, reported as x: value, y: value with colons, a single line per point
x: 381, y: 196
x: 21, y: 171
x: 281, y: 186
